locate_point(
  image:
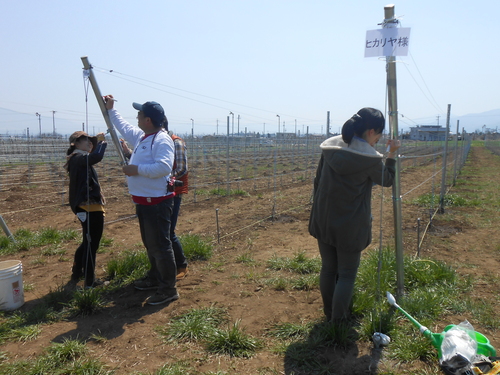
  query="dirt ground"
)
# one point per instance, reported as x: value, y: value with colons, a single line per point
x: 459, y: 237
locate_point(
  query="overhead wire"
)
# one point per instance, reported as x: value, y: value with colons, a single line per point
x: 433, y: 102
x: 135, y: 79
x: 427, y: 87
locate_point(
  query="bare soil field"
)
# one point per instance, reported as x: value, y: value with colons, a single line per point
x: 460, y: 237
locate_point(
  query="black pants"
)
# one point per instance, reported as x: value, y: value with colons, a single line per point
x: 154, y: 222
x: 85, y: 256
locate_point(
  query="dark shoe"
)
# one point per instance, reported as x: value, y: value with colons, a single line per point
x: 145, y: 284
x: 182, y: 272
x: 159, y: 298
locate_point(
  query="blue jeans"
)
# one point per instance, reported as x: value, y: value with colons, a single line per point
x: 180, y: 258
x: 154, y: 222
x: 336, y: 280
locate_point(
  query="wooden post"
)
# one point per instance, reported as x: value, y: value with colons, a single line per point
x: 391, y: 21
x: 88, y: 71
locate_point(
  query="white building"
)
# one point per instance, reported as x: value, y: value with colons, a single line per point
x: 428, y: 133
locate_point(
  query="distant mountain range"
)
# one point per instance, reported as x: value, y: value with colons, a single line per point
x: 472, y: 122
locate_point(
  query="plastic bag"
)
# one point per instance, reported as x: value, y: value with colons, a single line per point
x: 459, y: 347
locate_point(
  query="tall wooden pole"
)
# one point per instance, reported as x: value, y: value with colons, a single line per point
x: 390, y: 21
x: 102, y: 105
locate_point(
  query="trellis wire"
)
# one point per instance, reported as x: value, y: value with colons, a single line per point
x: 22, y: 158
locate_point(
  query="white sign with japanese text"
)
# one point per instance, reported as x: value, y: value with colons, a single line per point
x: 391, y: 41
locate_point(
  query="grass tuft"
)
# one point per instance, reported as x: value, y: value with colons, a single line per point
x: 26, y: 239
x: 195, y: 247
x: 450, y: 200
x: 87, y: 301
x: 299, y: 264
x: 233, y: 341
x: 194, y: 325
x: 68, y: 357
x: 129, y: 266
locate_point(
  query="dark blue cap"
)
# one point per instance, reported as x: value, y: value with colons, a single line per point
x: 154, y: 111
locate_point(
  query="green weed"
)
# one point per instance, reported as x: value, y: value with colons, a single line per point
x: 194, y: 325
x: 68, y: 357
x: 129, y: 266
x: 25, y: 239
x: 299, y: 264
x: 196, y: 248
x: 87, y: 301
x: 233, y: 341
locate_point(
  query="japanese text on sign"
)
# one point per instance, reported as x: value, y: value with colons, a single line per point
x: 392, y: 41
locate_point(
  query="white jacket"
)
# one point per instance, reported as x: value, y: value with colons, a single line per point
x: 154, y: 156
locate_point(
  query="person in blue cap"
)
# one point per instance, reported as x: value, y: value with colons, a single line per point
x: 148, y: 174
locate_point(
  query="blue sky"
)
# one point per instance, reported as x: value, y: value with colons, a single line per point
x: 202, y: 59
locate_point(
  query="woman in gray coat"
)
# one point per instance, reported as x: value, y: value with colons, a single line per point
x: 341, y: 212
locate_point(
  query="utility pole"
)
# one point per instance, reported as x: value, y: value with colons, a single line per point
x: 53, y: 124
x: 39, y: 122
x: 232, y: 126
x: 327, y: 124
x: 389, y: 22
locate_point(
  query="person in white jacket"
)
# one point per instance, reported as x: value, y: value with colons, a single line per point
x: 148, y: 174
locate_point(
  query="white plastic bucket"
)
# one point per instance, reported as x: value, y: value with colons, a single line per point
x: 11, y: 285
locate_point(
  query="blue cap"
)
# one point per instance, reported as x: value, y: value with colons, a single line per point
x: 154, y: 111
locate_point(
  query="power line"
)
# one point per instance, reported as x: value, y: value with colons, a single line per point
x: 133, y: 78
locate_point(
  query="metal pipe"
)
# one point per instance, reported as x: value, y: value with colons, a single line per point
x: 6, y: 229
x: 217, y: 221
x: 228, y: 189
x: 456, y: 156
x: 445, y: 160
x: 418, y: 237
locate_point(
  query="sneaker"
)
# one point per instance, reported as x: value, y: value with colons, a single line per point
x: 159, y: 298
x: 181, y: 273
x: 145, y: 284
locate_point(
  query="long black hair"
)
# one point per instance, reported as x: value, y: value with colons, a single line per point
x: 366, y: 118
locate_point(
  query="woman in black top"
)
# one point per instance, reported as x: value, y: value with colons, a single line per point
x: 341, y: 212
x: 86, y: 201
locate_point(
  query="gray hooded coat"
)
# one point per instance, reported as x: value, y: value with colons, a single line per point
x: 341, y: 210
